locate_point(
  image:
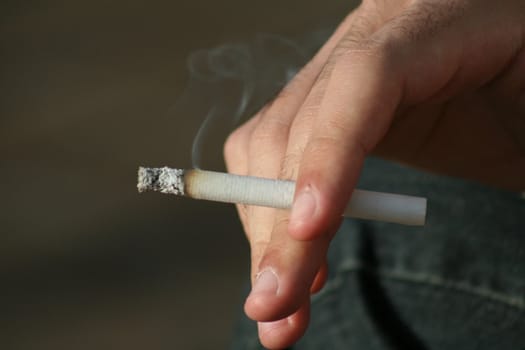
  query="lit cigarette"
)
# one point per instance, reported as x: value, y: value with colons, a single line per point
x: 228, y: 188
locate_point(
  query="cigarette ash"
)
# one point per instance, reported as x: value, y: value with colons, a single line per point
x: 164, y: 180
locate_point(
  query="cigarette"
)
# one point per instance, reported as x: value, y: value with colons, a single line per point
x: 249, y: 190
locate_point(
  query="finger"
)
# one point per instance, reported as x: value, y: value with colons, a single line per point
x: 287, y: 263
x: 265, y: 151
x: 236, y: 146
x: 363, y: 91
x: 366, y: 21
x: 269, y: 141
x: 278, y: 115
x: 286, y: 273
x: 365, y: 83
x: 361, y: 24
x: 289, y: 267
x: 281, y: 285
x: 283, y: 333
x: 275, y: 119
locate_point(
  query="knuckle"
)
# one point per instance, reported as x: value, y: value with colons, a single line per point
x: 232, y: 144
x: 270, y: 131
x: 235, y: 145
x: 322, y: 145
x: 373, y: 46
x: 258, y: 245
x: 364, y: 51
x: 424, y: 18
x: 382, y: 38
x: 234, y: 139
x: 281, y: 223
x: 263, y: 134
x: 290, y: 166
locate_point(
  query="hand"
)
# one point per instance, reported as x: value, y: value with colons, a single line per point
x: 436, y: 84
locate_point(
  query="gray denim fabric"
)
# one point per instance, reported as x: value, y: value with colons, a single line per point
x: 456, y: 283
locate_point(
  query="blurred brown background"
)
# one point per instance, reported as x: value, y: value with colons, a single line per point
x: 86, y: 262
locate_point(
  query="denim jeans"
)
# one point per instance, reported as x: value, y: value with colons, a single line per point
x: 456, y: 283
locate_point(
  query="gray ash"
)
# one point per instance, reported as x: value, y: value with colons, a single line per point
x: 165, y: 180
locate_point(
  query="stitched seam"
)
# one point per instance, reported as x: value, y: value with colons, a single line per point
x: 422, y: 278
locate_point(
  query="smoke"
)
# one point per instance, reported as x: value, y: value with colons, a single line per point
x: 229, y: 83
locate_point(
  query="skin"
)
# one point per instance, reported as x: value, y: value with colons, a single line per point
x: 439, y: 85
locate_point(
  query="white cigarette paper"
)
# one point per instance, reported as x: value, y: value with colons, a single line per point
x: 229, y: 188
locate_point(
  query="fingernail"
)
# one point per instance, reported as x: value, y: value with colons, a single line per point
x: 303, y: 207
x: 266, y: 283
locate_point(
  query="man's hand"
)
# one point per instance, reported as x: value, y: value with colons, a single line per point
x: 433, y: 83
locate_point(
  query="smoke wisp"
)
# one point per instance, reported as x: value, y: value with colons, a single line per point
x: 229, y: 83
